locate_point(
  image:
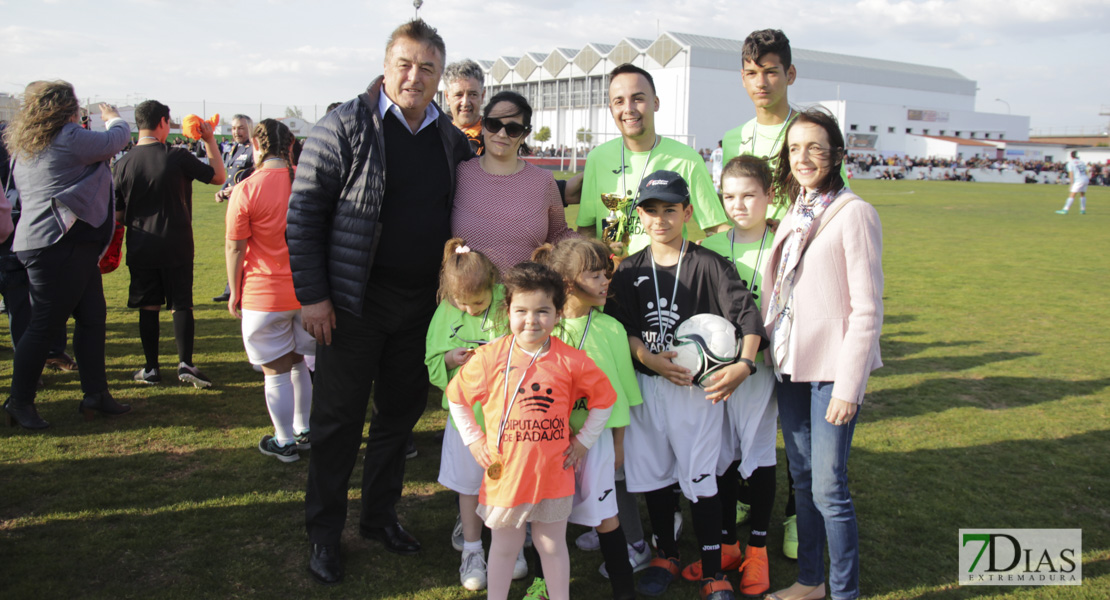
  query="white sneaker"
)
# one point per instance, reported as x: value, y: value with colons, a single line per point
x: 457, y: 535
x: 472, y: 573
x: 677, y: 529
x: 588, y: 541
x: 638, y: 560
x: 520, y: 569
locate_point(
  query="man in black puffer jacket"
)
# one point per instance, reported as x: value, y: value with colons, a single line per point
x: 368, y: 218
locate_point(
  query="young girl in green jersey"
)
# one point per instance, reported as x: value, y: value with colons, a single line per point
x: 584, y: 266
x: 748, y: 439
x: 469, y: 295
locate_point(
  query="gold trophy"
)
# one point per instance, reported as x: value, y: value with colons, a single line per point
x: 612, y: 229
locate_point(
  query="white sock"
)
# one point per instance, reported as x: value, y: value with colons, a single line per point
x: 1067, y: 205
x: 302, y: 396
x: 279, y: 401
x: 1083, y: 202
x: 469, y: 547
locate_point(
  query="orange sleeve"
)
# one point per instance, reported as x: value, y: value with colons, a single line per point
x: 237, y: 222
x: 592, y: 384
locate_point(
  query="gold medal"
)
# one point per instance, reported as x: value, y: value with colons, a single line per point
x: 494, y: 471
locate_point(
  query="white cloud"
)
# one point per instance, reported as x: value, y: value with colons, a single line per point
x: 283, y: 52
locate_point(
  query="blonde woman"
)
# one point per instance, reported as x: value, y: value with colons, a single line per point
x: 61, y: 170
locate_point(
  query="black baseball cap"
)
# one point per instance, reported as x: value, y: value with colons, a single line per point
x: 666, y: 186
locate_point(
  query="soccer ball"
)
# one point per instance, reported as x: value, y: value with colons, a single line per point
x: 705, y: 344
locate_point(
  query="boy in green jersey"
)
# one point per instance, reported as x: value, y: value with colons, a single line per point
x: 617, y: 166
x: 766, y: 73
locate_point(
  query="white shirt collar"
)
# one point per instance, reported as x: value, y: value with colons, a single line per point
x: 431, y: 113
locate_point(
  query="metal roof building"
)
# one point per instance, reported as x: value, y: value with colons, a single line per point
x: 878, y: 102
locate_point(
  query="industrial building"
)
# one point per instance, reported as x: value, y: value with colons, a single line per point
x: 883, y: 106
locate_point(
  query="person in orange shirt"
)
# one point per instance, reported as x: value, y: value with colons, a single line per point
x: 464, y: 96
x: 261, y: 285
x: 527, y: 384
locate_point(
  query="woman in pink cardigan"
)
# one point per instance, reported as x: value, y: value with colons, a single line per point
x: 824, y: 316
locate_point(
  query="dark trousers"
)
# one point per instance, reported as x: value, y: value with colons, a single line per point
x: 17, y: 304
x: 382, y: 349
x: 17, y: 301
x: 64, y: 280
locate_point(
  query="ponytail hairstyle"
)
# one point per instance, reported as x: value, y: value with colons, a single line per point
x: 274, y: 141
x: 534, y: 277
x: 465, y: 272
x: 574, y: 256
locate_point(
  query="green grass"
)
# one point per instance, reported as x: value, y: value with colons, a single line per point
x: 991, y: 411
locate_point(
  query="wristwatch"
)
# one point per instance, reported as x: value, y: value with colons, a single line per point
x: 750, y: 363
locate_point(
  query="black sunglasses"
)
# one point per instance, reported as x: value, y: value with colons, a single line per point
x: 513, y: 130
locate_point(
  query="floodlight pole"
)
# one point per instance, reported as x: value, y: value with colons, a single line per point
x: 417, y: 4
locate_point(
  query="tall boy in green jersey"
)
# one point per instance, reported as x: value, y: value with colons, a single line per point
x: 748, y: 432
x: 617, y: 166
x: 766, y: 72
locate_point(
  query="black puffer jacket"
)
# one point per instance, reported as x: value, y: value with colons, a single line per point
x: 333, y: 226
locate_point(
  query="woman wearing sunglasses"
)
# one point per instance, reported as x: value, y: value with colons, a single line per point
x: 504, y: 206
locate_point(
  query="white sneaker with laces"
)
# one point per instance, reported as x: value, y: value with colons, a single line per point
x: 520, y: 568
x: 588, y: 541
x: 472, y: 573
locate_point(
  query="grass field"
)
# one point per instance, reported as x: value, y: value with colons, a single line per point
x: 993, y: 410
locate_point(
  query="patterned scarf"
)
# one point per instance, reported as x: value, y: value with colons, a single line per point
x: 804, y: 212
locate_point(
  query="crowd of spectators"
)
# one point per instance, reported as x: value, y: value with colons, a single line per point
x: 1037, y: 171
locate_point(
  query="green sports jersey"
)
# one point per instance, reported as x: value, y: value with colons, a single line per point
x: 453, y: 328
x: 764, y: 141
x: 607, y: 345
x: 748, y: 259
x: 604, y: 174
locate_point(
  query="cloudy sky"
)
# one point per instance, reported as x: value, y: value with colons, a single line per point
x: 1045, y: 58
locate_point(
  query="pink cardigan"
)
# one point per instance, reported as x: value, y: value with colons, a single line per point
x: 838, y: 298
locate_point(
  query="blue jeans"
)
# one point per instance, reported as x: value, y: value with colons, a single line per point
x: 818, y: 454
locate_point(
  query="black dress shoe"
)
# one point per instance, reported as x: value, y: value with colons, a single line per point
x: 25, y: 415
x: 103, y: 403
x: 324, y: 563
x: 395, y: 538
x: 224, y: 297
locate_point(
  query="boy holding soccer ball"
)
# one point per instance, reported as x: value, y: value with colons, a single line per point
x: 675, y: 435
x: 748, y: 429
